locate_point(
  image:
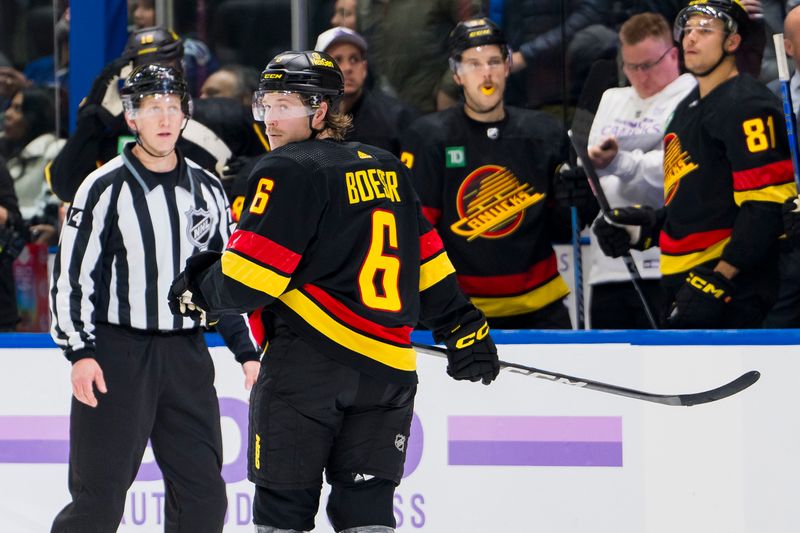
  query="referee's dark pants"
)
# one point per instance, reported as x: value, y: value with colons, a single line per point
x: 161, y: 387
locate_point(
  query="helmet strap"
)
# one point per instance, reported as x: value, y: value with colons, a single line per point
x: 716, y: 65
x: 138, y: 139
x: 314, y: 132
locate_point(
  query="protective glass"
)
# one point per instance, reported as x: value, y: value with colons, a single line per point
x: 644, y: 67
x: 279, y: 105
x: 467, y: 66
x: 154, y: 105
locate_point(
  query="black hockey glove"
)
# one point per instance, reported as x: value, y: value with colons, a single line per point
x: 471, y: 353
x: 632, y: 227
x: 571, y: 189
x: 791, y: 219
x: 700, y: 302
x: 185, y: 298
x: 110, y: 74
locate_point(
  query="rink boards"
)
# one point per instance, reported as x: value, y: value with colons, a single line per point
x: 520, y: 455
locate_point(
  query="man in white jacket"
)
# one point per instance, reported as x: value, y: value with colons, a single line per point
x: 625, y: 146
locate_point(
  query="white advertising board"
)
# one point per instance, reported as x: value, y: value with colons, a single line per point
x: 520, y: 455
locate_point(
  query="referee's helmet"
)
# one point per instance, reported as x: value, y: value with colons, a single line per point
x: 146, y: 80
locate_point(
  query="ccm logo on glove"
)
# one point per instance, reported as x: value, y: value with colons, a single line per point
x: 707, y: 287
x: 470, y: 338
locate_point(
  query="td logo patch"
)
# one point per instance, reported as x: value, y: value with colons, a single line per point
x: 455, y: 157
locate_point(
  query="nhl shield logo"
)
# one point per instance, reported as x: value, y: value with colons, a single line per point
x: 400, y: 442
x: 198, y: 230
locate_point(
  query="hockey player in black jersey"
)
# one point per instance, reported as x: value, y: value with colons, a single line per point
x: 726, y: 173
x: 484, y: 174
x: 333, y: 251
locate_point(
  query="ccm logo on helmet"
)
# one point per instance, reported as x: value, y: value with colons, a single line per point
x: 469, y: 340
x: 270, y: 76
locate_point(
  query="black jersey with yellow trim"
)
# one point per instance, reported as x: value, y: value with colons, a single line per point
x: 333, y: 242
x: 486, y: 188
x: 726, y: 172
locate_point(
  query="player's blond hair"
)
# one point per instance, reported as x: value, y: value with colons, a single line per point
x: 337, y: 125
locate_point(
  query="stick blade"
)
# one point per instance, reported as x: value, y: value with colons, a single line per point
x: 729, y: 389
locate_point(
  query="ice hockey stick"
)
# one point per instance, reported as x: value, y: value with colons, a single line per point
x: 697, y: 398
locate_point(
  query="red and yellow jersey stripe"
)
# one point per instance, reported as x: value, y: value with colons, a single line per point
x: 329, y: 316
x: 434, y: 263
x: 681, y: 255
x: 515, y: 294
x: 259, y: 263
x: 773, y: 182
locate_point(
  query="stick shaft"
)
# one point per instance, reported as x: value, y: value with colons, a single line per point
x: 579, y: 136
x: 577, y: 259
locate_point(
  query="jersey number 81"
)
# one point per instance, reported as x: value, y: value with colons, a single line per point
x: 757, y: 139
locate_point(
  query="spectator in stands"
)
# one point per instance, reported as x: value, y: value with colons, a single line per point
x: 484, y: 174
x: 231, y: 81
x: 52, y: 70
x: 534, y: 29
x: 11, y: 81
x: 625, y: 146
x: 791, y: 41
x: 12, y: 242
x: 143, y: 13
x: 344, y: 14
x: 408, y: 50
x: 378, y: 119
x: 29, y: 144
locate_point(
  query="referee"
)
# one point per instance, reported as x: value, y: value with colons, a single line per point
x: 133, y: 224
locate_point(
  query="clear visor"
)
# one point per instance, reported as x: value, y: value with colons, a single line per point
x: 468, y: 66
x: 701, y: 19
x: 279, y: 105
x: 154, y: 105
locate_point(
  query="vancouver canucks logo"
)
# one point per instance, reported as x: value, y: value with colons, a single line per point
x: 677, y: 164
x: 491, y: 203
x: 198, y: 229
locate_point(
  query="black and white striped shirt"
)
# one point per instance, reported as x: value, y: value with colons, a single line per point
x: 125, y: 238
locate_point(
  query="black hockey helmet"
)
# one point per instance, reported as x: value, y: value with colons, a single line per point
x: 153, y: 79
x: 731, y: 12
x: 153, y: 45
x: 312, y: 74
x: 475, y: 32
